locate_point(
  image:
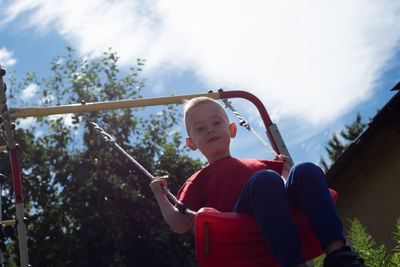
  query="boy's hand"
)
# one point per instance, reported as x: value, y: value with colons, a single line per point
x: 282, y: 157
x: 286, y: 164
x: 157, y: 185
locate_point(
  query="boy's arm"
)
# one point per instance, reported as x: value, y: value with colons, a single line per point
x: 178, y: 222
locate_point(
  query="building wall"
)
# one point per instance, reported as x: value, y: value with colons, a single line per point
x: 369, y: 186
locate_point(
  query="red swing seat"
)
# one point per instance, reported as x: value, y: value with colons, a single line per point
x: 234, y: 239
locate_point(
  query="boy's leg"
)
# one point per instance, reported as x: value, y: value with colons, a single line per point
x: 264, y: 195
x: 306, y: 187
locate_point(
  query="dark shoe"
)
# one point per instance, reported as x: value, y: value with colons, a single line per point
x: 344, y: 257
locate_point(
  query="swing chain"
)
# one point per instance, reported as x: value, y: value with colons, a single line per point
x: 109, y: 140
x: 243, y: 122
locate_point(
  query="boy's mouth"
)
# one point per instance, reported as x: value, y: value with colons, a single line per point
x: 212, y: 139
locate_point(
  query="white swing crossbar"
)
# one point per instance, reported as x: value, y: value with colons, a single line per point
x: 97, y: 106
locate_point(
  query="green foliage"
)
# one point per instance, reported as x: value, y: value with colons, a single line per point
x: 364, y: 244
x: 87, y: 205
x: 336, y: 145
x: 374, y: 256
x: 319, y: 261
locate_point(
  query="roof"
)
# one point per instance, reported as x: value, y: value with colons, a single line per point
x: 388, y: 115
x: 397, y: 87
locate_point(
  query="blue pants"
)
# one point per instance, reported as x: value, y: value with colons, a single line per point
x: 269, y: 198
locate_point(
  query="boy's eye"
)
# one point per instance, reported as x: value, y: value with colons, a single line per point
x: 198, y: 129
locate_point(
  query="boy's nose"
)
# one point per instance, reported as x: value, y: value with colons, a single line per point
x: 210, y: 130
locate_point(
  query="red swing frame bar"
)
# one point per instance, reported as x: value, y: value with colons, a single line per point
x: 273, y: 133
x: 203, y: 255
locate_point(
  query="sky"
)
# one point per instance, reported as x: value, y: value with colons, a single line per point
x: 314, y: 64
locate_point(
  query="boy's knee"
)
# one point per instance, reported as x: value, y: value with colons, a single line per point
x: 267, y: 179
x: 307, y: 170
x: 305, y: 166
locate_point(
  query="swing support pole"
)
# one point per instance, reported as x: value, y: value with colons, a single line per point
x: 12, y: 147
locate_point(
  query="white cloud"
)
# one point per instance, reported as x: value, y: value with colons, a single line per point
x: 6, y: 57
x: 67, y: 118
x: 26, y: 123
x: 29, y: 92
x: 311, y: 61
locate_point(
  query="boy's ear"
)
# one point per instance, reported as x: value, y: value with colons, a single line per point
x: 190, y: 144
x: 233, y: 129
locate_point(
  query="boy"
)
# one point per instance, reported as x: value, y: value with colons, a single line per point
x: 255, y: 186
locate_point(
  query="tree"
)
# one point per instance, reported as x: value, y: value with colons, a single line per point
x: 336, y: 146
x: 87, y: 204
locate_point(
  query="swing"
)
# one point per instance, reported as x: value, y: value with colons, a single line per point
x: 235, y: 239
x: 226, y: 238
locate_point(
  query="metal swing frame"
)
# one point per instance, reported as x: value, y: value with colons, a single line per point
x: 10, y: 114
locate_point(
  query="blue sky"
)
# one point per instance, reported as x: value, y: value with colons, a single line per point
x: 314, y: 64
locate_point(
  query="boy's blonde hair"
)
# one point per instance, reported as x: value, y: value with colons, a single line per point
x: 194, y: 102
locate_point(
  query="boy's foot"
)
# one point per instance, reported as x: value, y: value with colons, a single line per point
x: 344, y: 257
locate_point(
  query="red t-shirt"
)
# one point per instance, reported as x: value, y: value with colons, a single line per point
x: 219, y: 184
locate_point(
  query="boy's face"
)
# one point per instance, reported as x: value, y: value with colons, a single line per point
x: 209, y: 131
